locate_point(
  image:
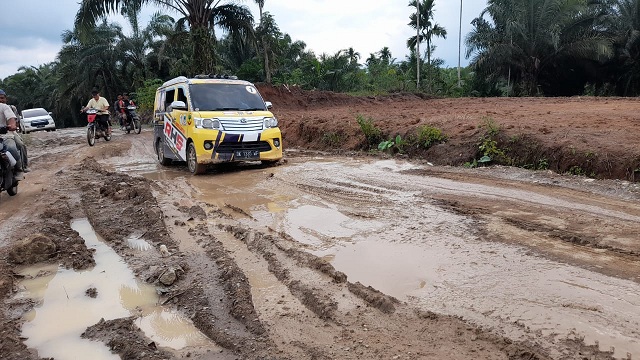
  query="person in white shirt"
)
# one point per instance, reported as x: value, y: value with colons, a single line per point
x: 102, y: 105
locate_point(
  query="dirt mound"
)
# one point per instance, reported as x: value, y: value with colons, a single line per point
x: 294, y: 97
x: 592, y: 137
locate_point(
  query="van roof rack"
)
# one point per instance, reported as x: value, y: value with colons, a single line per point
x: 216, y: 76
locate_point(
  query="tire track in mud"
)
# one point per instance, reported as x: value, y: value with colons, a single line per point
x: 337, y: 320
x: 325, y: 294
x: 528, y: 227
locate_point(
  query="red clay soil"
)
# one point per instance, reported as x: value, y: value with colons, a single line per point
x: 592, y: 136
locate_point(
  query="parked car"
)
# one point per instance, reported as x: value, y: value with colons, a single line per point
x: 36, y: 119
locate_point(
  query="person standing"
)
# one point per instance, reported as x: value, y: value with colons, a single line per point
x: 16, y: 137
x: 102, y: 105
x: 8, y: 120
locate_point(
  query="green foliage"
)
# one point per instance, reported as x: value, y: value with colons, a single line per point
x: 398, y: 144
x: 386, y: 145
x: 491, y: 127
x: 332, y: 139
x: 372, y: 133
x: 488, y: 146
x: 146, y: 95
x: 541, y: 164
x: 576, y: 170
x: 429, y: 136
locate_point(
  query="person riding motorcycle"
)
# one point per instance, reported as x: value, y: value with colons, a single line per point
x: 102, y: 105
x: 22, y: 148
x: 122, y: 105
x: 8, y: 124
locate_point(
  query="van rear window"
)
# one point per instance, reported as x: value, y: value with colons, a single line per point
x: 221, y: 97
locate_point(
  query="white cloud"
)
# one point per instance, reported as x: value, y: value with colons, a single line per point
x: 326, y: 26
x: 38, y: 52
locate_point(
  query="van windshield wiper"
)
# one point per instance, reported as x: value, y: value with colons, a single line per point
x: 226, y: 109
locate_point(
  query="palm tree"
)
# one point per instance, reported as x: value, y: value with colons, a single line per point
x: 203, y: 16
x: 536, y: 41
x: 354, y: 56
x: 428, y: 28
x: 625, y: 26
x: 268, y: 35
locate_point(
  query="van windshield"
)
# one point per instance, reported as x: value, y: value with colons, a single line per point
x: 221, y: 97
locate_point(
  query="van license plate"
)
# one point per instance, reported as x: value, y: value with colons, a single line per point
x: 247, y: 154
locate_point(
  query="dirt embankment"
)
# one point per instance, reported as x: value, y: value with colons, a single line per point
x: 595, y: 137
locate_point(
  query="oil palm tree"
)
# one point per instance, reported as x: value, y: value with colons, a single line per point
x: 534, y: 41
x: 625, y: 27
x: 202, y: 16
x: 268, y: 34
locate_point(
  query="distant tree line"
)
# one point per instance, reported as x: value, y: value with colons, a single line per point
x: 516, y: 47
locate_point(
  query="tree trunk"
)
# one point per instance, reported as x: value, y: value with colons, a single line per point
x: 267, y: 67
x: 202, y: 59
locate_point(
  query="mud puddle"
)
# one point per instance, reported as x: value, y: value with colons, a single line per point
x: 70, y: 301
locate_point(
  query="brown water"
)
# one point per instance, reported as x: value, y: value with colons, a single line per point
x: 65, y: 311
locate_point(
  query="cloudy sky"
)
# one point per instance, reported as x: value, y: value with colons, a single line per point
x: 31, y: 29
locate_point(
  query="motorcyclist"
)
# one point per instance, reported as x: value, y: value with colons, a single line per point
x: 8, y: 120
x: 16, y: 137
x: 118, y: 107
x: 102, y: 105
x: 126, y: 102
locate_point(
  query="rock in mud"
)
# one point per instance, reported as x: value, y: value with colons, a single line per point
x: 33, y: 249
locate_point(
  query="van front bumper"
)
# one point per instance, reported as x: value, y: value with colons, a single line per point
x: 225, y: 147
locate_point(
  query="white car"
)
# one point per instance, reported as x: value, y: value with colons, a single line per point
x: 36, y: 119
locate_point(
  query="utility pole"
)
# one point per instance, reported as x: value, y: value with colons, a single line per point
x: 460, y: 45
x: 418, y: 45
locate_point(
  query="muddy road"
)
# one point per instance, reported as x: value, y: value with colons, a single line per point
x: 106, y: 255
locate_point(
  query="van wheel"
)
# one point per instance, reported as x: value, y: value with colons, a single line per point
x: 192, y: 161
x: 160, y: 152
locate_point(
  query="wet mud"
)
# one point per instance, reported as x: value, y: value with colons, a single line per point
x: 326, y: 257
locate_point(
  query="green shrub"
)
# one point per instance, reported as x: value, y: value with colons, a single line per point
x: 429, y: 136
x: 332, y: 139
x: 372, y: 133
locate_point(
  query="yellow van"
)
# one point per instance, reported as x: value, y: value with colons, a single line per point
x: 207, y: 120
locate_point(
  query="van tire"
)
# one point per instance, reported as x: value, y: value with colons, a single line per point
x: 192, y: 161
x: 164, y: 161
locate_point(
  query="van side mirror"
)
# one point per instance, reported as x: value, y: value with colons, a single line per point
x: 177, y: 105
x: 50, y: 113
x: 268, y: 104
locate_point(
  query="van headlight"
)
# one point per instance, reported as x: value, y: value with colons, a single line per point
x: 270, y: 122
x: 207, y: 123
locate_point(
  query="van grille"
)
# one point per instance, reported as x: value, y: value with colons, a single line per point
x: 242, y: 124
x: 230, y: 147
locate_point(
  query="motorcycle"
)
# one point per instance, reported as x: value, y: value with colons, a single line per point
x: 131, y: 122
x: 8, y: 181
x: 96, y: 129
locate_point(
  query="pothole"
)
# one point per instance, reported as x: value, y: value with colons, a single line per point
x: 70, y: 301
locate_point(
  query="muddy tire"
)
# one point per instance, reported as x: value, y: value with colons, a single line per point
x: 107, y: 137
x: 192, y: 161
x: 91, y: 135
x: 13, y: 190
x: 164, y: 161
x: 136, y: 126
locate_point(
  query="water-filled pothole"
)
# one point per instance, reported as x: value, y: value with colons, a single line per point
x: 65, y: 309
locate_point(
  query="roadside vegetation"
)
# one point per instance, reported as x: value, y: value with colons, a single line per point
x: 516, y: 48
